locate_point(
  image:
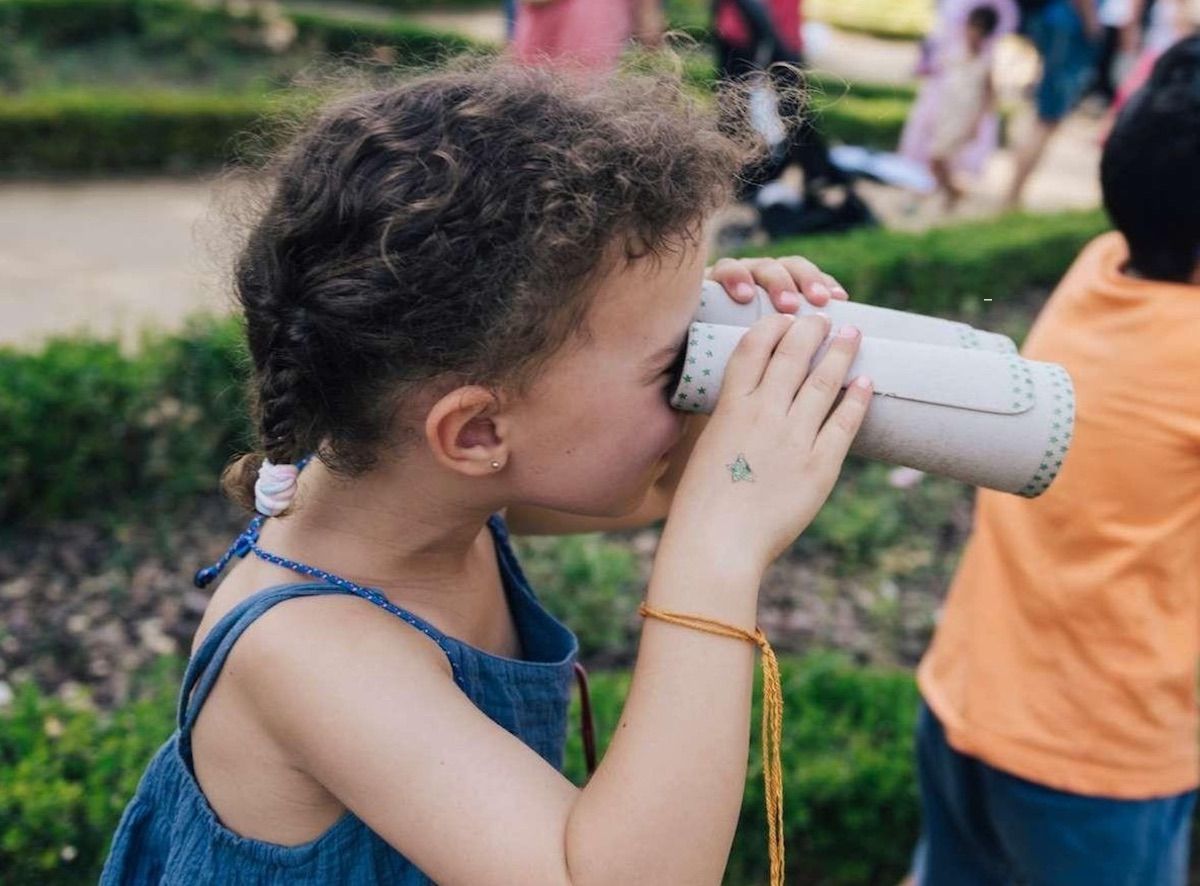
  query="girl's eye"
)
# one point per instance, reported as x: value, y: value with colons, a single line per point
x: 674, y: 372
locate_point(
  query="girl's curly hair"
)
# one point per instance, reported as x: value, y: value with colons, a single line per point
x: 448, y: 229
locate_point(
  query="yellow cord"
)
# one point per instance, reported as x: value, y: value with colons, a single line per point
x: 772, y: 723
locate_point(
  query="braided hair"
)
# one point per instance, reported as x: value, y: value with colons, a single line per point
x: 447, y: 230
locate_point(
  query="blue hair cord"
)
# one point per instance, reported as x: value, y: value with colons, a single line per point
x: 246, y: 542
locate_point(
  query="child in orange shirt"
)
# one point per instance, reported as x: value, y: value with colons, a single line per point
x: 1058, y: 744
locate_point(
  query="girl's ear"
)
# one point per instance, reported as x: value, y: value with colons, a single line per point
x: 466, y: 433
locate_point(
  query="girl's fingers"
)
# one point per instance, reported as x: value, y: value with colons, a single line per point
x: 735, y: 276
x: 749, y: 359
x: 793, y: 356
x: 824, y: 382
x: 839, y: 291
x: 834, y: 439
x: 784, y: 279
x: 811, y: 280
x: 773, y: 276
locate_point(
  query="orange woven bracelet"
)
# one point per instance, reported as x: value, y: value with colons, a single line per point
x: 772, y: 722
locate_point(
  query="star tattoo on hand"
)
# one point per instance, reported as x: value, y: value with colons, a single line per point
x: 740, y: 470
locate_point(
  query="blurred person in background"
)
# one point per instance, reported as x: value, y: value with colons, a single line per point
x: 953, y: 126
x: 1166, y: 23
x: 585, y: 34
x: 1066, y: 35
x: 1058, y: 740
x: 755, y: 36
x: 1117, y: 18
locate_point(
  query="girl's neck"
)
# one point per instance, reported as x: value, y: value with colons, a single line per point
x: 395, y: 528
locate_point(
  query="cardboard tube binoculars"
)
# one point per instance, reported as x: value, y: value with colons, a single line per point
x: 949, y: 399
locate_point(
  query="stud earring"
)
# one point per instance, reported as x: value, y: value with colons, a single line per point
x: 495, y: 466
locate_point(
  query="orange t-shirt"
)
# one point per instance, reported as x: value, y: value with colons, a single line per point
x: 1068, y: 647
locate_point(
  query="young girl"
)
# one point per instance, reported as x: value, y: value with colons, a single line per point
x: 465, y: 301
x: 953, y: 125
x: 583, y: 33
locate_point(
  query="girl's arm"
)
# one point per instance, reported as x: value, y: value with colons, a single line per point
x: 986, y: 107
x: 649, y: 22
x: 370, y: 710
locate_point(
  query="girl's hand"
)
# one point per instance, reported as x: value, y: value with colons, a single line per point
x: 784, y: 278
x: 772, y: 449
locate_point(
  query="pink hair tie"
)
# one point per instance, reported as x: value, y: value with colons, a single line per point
x: 275, y: 488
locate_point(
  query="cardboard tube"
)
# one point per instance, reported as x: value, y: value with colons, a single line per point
x: 717, y: 307
x: 983, y: 417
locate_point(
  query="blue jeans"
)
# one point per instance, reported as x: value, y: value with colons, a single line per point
x: 510, y: 17
x: 1068, y: 58
x: 984, y: 827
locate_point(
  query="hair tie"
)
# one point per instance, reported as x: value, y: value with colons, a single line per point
x: 275, y: 488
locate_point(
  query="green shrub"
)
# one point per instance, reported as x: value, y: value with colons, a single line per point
x: 163, y: 24
x: 951, y: 269
x: 66, y: 773
x: 166, y: 25
x: 109, y: 132
x: 86, y: 129
x: 94, y: 132
x: 412, y: 43
x: 87, y: 429
x: 589, y: 583
x: 850, y: 800
x: 435, y: 5
x: 866, y: 517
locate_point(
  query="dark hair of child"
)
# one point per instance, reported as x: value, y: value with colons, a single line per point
x: 1150, y: 168
x: 444, y: 231
x: 984, y: 19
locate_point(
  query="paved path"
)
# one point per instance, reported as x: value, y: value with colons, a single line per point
x: 112, y: 257
x: 108, y: 257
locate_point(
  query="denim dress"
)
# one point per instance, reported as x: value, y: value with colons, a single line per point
x: 170, y: 834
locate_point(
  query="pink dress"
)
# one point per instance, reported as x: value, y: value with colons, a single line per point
x: 921, y: 129
x: 785, y: 16
x: 589, y: 34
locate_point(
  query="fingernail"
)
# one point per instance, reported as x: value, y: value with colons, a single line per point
x: 863, y: 382
x: 820, y: 289
x: 789, y: 299
x: 745, y: 290
x: 848, y: 332
x: 838, y: 292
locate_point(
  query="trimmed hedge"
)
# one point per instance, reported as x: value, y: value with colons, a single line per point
x: 850, y: 807
x: 107, y: 132
x: 94, y: 132
x: 948, y: 269
x: 414, y: 44
x: 87, y: 430
x: 90, y: 131
x: 54, y: 23
x: 90, y: 430
x: 851, y: 812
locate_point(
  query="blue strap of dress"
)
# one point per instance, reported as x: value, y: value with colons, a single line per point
x: 247, y: 542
